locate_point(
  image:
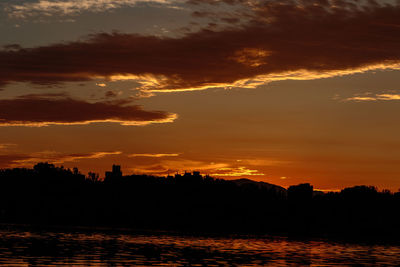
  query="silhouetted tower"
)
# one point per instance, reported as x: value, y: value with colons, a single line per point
x: 116, y: 169
x: 114, y: 174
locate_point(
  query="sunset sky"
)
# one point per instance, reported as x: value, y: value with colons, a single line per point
x: 284, y: 92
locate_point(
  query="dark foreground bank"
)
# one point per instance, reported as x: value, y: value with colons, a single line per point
x: 49, y: 195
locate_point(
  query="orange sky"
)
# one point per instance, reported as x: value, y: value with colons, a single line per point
x: 280, y: 91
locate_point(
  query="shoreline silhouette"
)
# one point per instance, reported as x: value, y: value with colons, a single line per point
x: 50, y: 195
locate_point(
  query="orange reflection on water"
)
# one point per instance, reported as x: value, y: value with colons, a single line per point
x: 81, y: 248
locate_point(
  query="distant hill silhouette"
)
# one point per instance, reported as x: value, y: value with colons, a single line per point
x: 260, y: 185
x: 47, y: 195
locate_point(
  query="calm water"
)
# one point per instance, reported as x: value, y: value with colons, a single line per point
x: 33, y: 248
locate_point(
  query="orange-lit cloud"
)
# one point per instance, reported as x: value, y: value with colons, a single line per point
x: 161, y: 165
x: 42, y: 110
x: 164, y: 166
x: 27, y: 160
x: 6, y: 146
x: 154, y: 155
x: 327, y: 190
x: 251, y: 57
x: 236, y: 172
x: 378, y: 97
x: 280, y: 40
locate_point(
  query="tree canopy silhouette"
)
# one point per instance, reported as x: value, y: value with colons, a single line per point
x: 48, y: 194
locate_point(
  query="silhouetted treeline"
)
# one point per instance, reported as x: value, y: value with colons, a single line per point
x: 53, y: 195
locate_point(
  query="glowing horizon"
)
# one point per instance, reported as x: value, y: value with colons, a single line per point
x: 284, y: 92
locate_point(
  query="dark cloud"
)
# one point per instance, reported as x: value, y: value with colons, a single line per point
x: 230, y: 20
x: 11, y: 47
x: 213, y: 2
x: 202, y: 14
x: 42, y: 110
x: 110, y: 94
x: 279, y: 37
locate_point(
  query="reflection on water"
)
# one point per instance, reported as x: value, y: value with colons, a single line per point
x: 104, y: 249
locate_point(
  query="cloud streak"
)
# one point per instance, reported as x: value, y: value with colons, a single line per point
x: 5, y: 146
x: 70, y: 7
x: 160, y: 165
x: 280, y: 40
x: 44, y: 110
x: 236, y: 172
x: 154, y: 155
x: 378, y: 97
x: 24, y: 160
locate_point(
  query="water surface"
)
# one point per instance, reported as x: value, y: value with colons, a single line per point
x: 82, y: 248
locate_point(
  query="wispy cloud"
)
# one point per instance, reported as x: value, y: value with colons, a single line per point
x: 327, y: 190
x: 154, y: 155
x: 4, y: 146
x: 165, y: 165
x: 70, y: 7
x: 56, y: 157
x: 378, y: 97
x: 236, y: 172
x: 222, y: 168
x: 26, y: 160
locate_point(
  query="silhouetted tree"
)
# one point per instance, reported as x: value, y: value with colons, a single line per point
x: 93, y: 177
x: 301, y: 193
x: 48, y: 194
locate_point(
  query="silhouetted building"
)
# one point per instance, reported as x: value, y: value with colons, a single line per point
x: 114, y: 174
